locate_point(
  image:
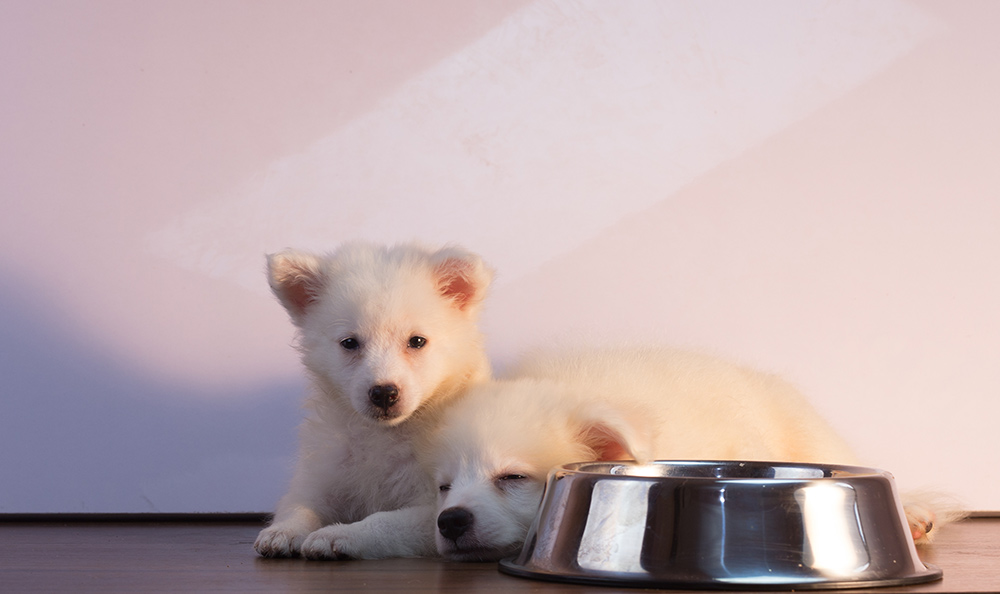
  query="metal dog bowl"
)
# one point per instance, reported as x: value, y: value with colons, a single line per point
x: 721, y: 525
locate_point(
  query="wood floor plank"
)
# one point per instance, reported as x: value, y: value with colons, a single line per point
x: 111, y: 557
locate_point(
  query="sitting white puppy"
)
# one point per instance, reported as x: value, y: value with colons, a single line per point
x: 494, y: 449
x: 388, y: 336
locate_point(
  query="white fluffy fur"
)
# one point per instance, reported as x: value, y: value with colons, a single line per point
x: 495, y: 448
x: 357, y: 490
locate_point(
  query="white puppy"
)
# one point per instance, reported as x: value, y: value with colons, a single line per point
x: 494, y: 449
x: 387, y: 335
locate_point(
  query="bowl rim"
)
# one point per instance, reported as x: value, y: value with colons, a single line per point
x: 834, y: 472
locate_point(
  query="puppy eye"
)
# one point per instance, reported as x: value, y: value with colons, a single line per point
x: 444, y: 488
x: 509, y: 481
x: 350, y: 343
x: 417, y: 342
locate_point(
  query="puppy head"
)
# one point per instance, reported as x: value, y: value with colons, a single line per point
x: 494, y: 449
x: 388, y: 329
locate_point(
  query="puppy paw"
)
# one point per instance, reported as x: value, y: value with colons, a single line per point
x: 927, y: 511
x: 921, y: 520
x: 330, y: 542
x: 278, y: 541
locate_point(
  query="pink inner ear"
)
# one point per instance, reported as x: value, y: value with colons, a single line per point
x: 298, y: 294
x: 295, y: 281
x: 454, y: 282
x: 607, y: 443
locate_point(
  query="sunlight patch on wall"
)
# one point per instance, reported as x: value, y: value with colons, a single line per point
x: 559, y: 122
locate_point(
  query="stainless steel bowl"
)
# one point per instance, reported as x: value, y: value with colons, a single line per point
x: 719, y: 525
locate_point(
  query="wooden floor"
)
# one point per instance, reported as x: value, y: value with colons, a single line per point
x: 110, y: 557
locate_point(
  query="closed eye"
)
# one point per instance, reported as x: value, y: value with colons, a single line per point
x: 510, y: 481
x: 444, y: 488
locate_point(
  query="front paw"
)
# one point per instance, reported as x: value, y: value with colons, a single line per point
x: 279, y: 541
x: 330, y: 542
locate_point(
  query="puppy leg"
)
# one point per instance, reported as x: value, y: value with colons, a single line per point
x: 302, y: 511
x: 285, y: 536
x: 407, y: 532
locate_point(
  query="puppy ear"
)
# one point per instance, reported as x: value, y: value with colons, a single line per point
x: 296, y: 279
x: 610, y: 436
x: 462, y: 277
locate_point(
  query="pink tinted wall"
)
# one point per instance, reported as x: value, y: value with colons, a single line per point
x: 810, y: 187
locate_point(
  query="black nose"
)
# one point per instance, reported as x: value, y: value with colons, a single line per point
x: 384, y: 395
x: 454, y: 521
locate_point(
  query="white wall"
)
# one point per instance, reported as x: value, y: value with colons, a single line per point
x: 810, y: 187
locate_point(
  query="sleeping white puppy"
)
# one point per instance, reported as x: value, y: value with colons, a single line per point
x: 493, y: 450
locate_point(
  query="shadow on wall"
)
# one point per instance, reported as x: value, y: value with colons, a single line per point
x: 80, y: 432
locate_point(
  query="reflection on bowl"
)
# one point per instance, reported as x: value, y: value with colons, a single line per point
x: 714, y: 525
